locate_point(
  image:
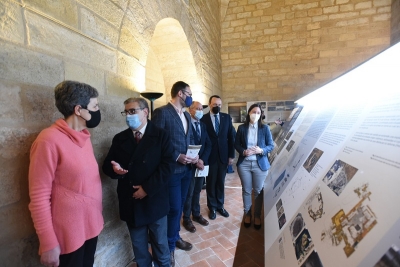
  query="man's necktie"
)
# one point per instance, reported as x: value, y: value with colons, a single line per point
x: 216, y: 124
x: 138, y: 136
x: 197, y: 129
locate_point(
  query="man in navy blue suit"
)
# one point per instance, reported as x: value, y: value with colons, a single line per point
x: 176, y: 121
x: 192, y: 203
x: 221, y: 132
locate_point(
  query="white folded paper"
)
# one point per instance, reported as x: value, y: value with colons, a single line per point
x: 201, y: 173
x: 193, y: 151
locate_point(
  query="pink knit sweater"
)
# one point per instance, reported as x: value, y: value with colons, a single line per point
x: 65, y: 188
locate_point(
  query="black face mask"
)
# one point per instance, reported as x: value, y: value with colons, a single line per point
x: 215, y: 110
x: 94, y: 120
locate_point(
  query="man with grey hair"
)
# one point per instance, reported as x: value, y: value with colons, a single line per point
x: 192, y: 203
x: 140, y: 158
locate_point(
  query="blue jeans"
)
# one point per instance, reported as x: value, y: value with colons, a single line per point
x: 252, y: 178
x: 157, y: 232
x: 192, y: 203
x: 178, y: 188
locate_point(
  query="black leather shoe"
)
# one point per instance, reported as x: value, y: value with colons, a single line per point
x: 212, y: 215
x: 223, y: 212
x: 247, y: 221
x: 181, y: 244
x: 189, y: 226
x: 172, y: 259
x: 200, y: 220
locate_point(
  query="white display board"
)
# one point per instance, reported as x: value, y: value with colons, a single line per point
x: 332, y: 196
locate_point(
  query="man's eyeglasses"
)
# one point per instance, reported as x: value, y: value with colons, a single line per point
x: 186, y: 92
x: 130, y: 111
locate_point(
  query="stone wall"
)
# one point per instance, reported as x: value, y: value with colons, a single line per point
x: 284, y: 49
x: 104, y: 43
x: 395, y: 25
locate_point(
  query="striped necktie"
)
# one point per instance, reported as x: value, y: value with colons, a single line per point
x: 216, y: 124
x: 197, y: 130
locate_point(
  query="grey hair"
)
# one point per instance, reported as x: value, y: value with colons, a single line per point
x: 69, y: 94
x: 141, y: 101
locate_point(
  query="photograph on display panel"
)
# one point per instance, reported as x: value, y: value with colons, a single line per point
x: 338, y: 176
x: 312, y: 159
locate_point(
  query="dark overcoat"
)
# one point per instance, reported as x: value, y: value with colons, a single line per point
x: 149, y: 165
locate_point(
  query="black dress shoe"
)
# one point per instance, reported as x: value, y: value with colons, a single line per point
x: 212, y: 215
x: 200, y: 220
x: 223, y: 212
x: 181, y: 244
x: 247, y: 221
x: 172, y: 259
x: 189, y: 226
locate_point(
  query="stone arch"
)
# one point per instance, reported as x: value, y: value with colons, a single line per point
x: 170, y: 59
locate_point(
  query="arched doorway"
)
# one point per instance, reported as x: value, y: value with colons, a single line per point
x: 170, y: 59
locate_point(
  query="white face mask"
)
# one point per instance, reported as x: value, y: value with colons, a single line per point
x: 199, y: 114
x: 254, y: 117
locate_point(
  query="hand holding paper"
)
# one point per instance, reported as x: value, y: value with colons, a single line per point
x: 201, y: 173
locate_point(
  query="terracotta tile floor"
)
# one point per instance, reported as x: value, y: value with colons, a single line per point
x: 225, y: 241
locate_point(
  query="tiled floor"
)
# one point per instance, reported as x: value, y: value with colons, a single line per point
x: 225, y: 241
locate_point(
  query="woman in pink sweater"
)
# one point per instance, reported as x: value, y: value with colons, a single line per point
x: 64, y: 181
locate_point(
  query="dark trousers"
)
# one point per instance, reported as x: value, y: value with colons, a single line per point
x: 82, y: 257
x: 215, y: 185
x: 178, y: 188
x: 192, y: 203
x: 157, y: 232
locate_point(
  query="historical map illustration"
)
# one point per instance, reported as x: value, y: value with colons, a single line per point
x: 353, y: 226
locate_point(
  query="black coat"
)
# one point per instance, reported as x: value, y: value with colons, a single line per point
x: 223, y: 144
x: 149, y: 165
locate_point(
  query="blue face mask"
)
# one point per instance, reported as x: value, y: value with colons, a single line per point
x: 133, y: 121
x: 188, y: 101
x: 199, y: 114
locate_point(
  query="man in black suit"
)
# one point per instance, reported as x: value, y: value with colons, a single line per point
x: 221, y: 132
x: 176, y: 122
x: 140, y: 158
x: 192, y: 203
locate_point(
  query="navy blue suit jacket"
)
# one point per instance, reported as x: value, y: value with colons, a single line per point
x: 264, y: 141
x: 168, y: 119
x: 223, y: 143
x: 149, y: 165
x: 205, y: 142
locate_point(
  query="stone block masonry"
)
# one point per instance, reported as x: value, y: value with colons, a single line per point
x: 317, y: 39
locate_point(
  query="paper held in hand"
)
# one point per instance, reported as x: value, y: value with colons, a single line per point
x: 193, y: 151
x: 201, y: 173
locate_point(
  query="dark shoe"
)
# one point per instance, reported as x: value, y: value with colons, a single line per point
x: 223, y: 212
x: 247, y: 221
x: 172, y: 259
x: 257, y: 223
x: 200, y: 220
x: 212, y: 215
x: 204, y: 186
x: 189, y: 226
x: 181, y: 244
